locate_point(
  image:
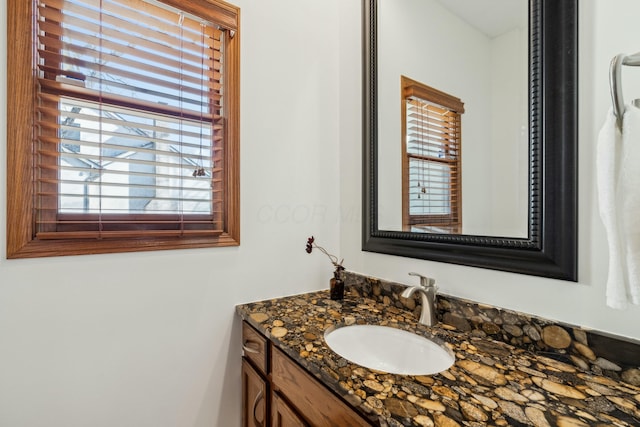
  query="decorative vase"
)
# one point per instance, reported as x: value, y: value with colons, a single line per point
x: 336, y: 286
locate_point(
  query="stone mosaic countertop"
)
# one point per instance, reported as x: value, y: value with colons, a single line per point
x: 491, y: 383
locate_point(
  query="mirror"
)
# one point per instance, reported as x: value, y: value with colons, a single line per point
x: 482, y: 60
x: 538, y: 236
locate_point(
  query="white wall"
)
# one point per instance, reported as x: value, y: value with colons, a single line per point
x: 151, y: 339
x: 436, y: 37
x: 509, y: 137
x: 605, y: 29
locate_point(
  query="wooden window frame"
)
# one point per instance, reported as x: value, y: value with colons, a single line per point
x: 451, y: 222
x: 21, y: 90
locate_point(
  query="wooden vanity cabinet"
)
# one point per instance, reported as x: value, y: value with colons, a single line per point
x: 277, y: 392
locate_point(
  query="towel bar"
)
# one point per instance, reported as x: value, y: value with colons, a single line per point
x: 615, y: 74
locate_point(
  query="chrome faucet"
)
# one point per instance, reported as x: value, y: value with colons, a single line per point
x: 427, y: 289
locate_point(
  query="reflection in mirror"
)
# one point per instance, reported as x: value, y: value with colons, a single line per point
x: 465, y: 49
x: 517, y: 135
x: 431, y: 137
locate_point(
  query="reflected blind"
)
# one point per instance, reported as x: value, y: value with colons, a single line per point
x: 130, y: 130
x: 432, y: 143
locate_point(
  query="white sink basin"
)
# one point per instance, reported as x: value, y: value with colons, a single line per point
x: 389, y: 350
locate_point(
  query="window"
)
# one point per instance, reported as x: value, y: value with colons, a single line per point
x: 123, y: 126
x: 431, y: 140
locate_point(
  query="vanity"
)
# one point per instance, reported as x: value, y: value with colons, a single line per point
x: 510, y: 369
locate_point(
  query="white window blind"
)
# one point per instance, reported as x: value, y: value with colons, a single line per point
x: 130, y: 130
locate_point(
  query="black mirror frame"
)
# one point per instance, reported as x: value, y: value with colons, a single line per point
x: 551, y: 248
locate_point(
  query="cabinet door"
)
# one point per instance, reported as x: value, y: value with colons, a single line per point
x: 282, y: 415
x: 305, y: 393
x: 254, y: 398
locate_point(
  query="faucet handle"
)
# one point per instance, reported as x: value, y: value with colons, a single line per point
x: 425, y: 282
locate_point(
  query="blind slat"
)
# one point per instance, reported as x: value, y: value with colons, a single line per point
x: 125, y: 234
x: 139, y: 149
x: 87, y: 169
x: 149, y: 221
x: 103, y: 196
x: 432, y: 144
x: 435, y: 127
x: 110, y: 185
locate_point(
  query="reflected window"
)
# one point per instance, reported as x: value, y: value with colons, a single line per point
x: 431, y: 159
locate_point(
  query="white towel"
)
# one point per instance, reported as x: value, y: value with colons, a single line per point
x: 629, y: 199
x: 618, y: 181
